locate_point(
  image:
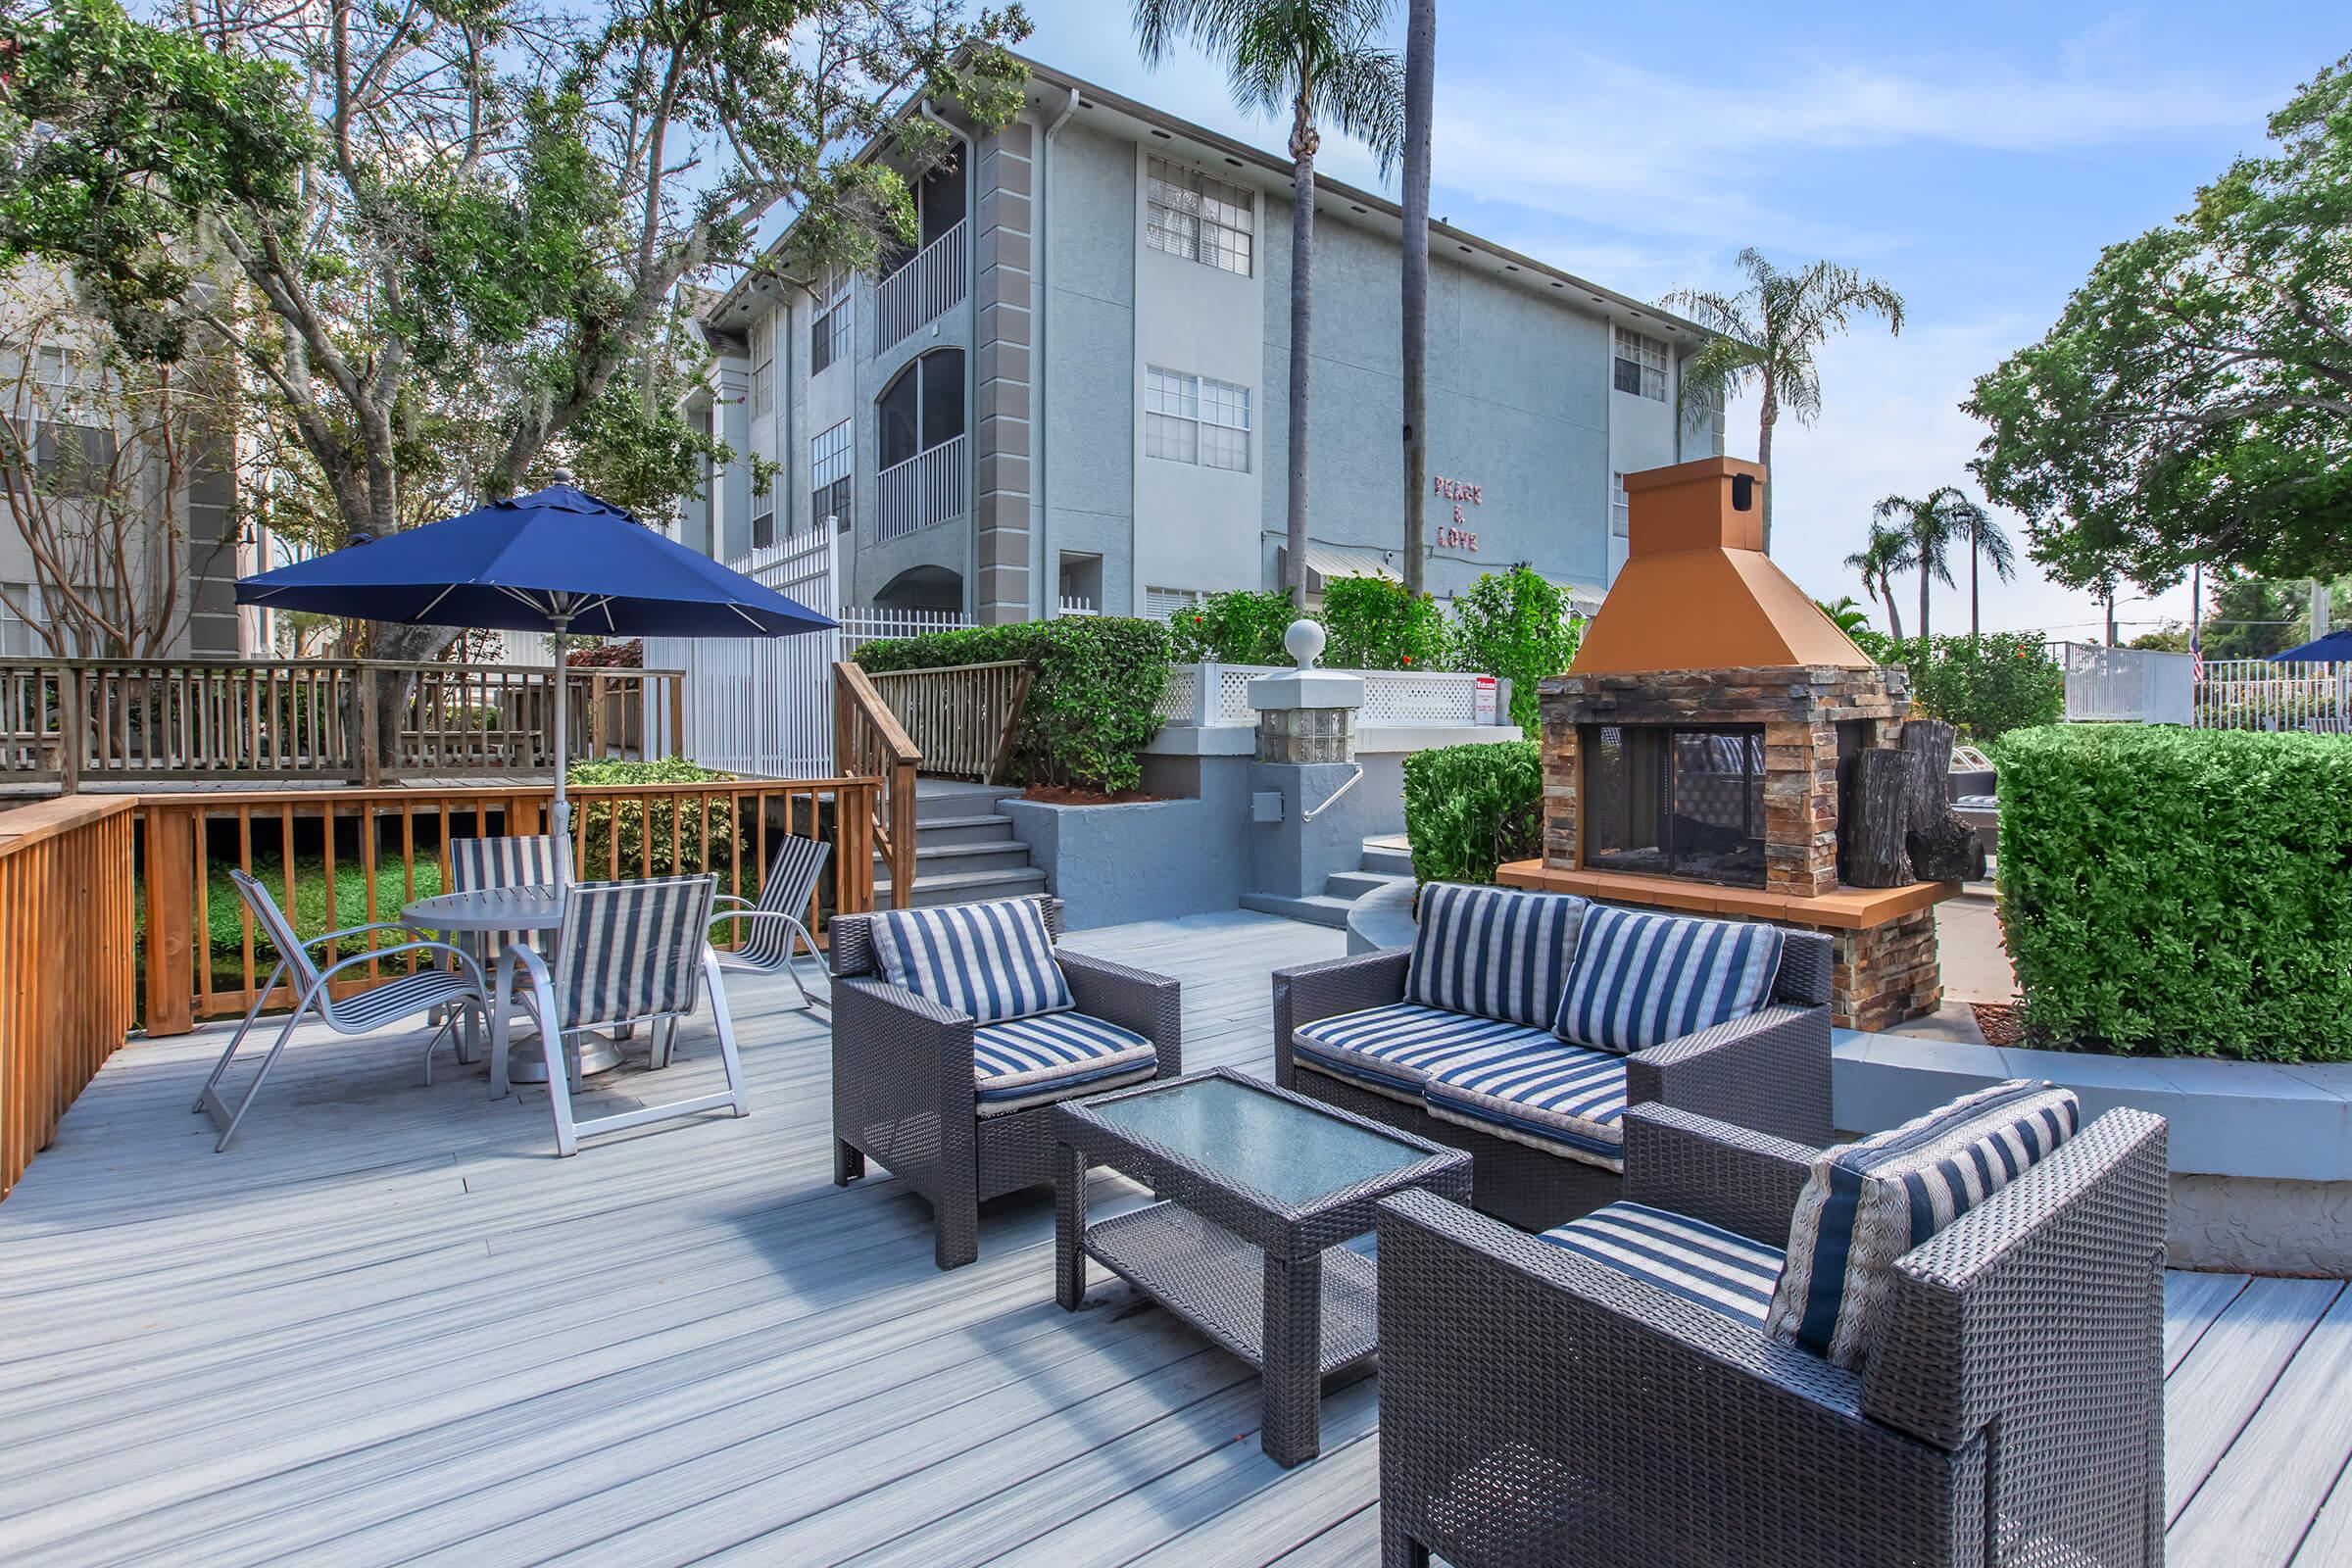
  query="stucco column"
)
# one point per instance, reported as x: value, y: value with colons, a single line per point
x: 1002, y: 376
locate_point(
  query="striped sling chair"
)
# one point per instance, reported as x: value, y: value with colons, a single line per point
x: 772, y: 932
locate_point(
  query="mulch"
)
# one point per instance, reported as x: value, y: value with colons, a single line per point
x: 1066, y: 795
x: 2000, y: 1022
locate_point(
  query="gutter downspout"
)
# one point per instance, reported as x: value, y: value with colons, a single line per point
x: 971, y: 364
x: 1048, y: 579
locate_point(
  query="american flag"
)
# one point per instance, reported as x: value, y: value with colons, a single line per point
x: 2196, y: 658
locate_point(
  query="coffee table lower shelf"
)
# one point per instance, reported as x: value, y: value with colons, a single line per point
x: 1215, y: 1281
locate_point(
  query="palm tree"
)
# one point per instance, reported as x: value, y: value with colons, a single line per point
x: 1846, y: 615
x: 1888, y: 553
x: 1768, y: 333
x: 1317, y: 59
x: 1420, y: 91
x: 1988, y: 543
x: 1931, y: 525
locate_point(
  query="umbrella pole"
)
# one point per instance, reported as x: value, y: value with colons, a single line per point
x: 561, y: 809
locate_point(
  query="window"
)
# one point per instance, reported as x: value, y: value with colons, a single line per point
x: 1187, y: 214
x: 764, y: 528
x: 73, y: 459
x: 829, y: 328
x: 921, y: 407
x: 1166, y: 604
x: 764, y: 366
x: 1640, y: 366
x: 1190, y: 419
x: 21, y: 638
x: 1621, y: 516
x: 829, y: 475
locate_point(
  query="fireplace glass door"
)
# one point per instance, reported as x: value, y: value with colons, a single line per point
x: 1671, y: 800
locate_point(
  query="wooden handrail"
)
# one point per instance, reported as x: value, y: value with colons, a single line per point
x: 869, y: 740
x: 963, y: 718
x: 66, y: 942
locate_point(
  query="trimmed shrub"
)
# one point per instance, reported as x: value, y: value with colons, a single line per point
x: 1373, y: 623
x: 2179, y: 891
x: 1986, y: 687
x: 1094, y: 705
x: 1519, y: 627
x: 1243, y: 626
x: 598, y: 822
x: 1470, y: 809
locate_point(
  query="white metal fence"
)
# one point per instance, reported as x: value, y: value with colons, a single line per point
x: 2257, y: 694
x: 924, y: 489
x: 927, y: 286
x: 1211, y: 693
x: 860, y: 626
x: 2126, y: 684
x: 763, y: 704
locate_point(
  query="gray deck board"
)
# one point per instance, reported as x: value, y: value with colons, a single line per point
x: 390, y: 1327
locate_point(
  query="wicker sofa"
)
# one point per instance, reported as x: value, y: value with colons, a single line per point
x: 1769, y: 1070
x: 1538, y: 1406
x: 903, y: 1082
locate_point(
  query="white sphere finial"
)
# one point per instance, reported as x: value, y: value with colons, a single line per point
x: 1304, y: 639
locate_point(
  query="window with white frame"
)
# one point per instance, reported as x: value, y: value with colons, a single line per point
x: 1187, y: 214
x: 1621, y: 513
x: 764, y: 366
x: 21, y: 638
x: 829, y: 465
x: 1166, y: 604
x: 1191, y: 418
x: 829, y: 328
x: 1640, y: 366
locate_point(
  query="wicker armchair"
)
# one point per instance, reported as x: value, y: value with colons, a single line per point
x: 1769, y: 1072
x: 1539, y: 1408
x: 904, y: 1092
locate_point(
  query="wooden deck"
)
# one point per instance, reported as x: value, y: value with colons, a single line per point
x: 389, y: 1327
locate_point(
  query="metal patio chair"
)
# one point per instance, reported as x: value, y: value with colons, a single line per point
x: 434, y: 991
x: 775, y: 922
x: 520, y: 861
x: 628, y: 952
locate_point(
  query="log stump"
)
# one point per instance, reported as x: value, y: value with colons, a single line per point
x: 1942, y: 848
x: 1879, y: 819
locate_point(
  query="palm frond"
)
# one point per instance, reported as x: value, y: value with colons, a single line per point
x: 1361, y: 93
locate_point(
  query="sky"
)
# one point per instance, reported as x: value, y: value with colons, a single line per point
x: 1977, y: 157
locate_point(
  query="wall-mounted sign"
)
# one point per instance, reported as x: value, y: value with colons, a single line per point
x: 1459, y: 492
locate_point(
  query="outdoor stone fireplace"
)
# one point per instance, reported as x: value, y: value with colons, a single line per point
x: 1695, y: 751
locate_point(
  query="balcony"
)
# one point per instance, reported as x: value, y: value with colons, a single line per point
x: 927, y: 488
x: 927, y: 287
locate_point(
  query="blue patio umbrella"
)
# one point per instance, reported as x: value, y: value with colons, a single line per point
x: 2334, y: 649
x: 556, y: 560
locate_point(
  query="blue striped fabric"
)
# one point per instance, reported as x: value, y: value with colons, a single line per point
x: 1562, y: 1099
x: 988, y: 962
x: 1025, y: 1061
x: 1720, y: 1270
x: 1642, y: 979
x: 1869, y: 1202
x: 1393, y: 1048
x: 1494, y: 953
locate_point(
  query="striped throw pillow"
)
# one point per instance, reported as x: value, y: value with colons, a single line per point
x: 1643, y: 979
x: 1492, y: 952
x: 1869, y: 1202
x: 988, y: 962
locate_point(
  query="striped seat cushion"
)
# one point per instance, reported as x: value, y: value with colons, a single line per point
x: 1562, y: 1099
x: 1718, y: 1269
x: 1867, y: 1203
x: 1393, y: 1049
x: 1642, y: 979
x: 1493, y: 952
x: 1027, y: 1061
x: 988, y: 962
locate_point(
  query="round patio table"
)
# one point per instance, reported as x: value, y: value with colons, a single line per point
x: 473, y: 917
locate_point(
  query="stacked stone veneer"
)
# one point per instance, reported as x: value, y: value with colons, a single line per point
x: 1885, y: 974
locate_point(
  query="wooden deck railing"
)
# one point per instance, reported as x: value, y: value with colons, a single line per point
x: 77, y: 721
x: 869, y: 741
x: 67, y: 992
x: 336, y: 859
x: 961, y: 716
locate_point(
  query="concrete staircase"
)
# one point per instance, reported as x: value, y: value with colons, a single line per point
x: 965, y: 849
x: 1385, y: 861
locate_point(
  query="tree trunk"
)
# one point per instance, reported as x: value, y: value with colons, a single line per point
x: 1303, y: 251
x: 1976, y: 629
x: 1894, y: 613
x: 1927, y: 582
x: 1420, y: 56
x: 1875, y: 818
x: 1766, y: 418
x: 1942, y: 848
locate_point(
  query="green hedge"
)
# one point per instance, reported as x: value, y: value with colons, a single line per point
x: 1470, y: 809
x: 596, y: 821
x: 1093, y: 704
x: 2179, y: 891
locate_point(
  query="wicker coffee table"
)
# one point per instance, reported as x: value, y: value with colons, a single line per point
x: 1258, y: 1187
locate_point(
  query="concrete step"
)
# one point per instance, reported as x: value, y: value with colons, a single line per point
x: 994, y: 828
x: 1354, y: 885
x: 940, y: 799
x: 1387, y: 859
x: 965, y: 887
x: 954, y: 859
x: 1316, y: 908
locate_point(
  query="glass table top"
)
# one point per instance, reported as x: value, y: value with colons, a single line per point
x: 1290, y: 1153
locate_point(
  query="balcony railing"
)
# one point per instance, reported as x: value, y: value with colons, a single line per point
x: 925, y: 288
x: 925, y: 489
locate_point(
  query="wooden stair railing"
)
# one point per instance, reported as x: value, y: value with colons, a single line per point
x: 961, y: 717
x: 870, y: 742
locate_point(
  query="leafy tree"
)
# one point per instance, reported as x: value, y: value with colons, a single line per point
x: 1519, y: 627
x: 1769, y: 334
x: 1243, y: 626
x: 2254, y: 617
x: 1888, y: 553
x: 447, y: 243
x: 1374, y: 623
x: 1931, y: 525
x: 2193, y: 403
x: 1316, y: 58
x: 2170, y: 638
x: 1420, y: 109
